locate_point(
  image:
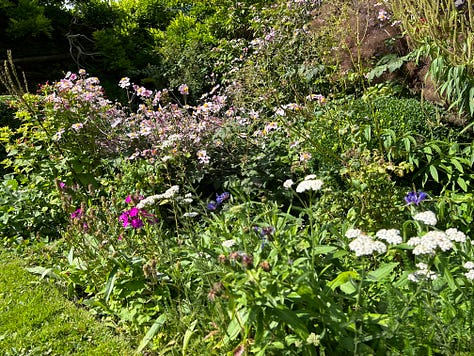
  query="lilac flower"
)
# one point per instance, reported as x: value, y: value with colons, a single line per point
x: 212, y: 206
x: 222, y: 198
x: 415, y: 197
x: 62, y: 185
x: 183, y: 89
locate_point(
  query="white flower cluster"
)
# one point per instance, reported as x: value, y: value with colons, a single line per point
x: 228, y: 243
x: 363, y: 244
x: 288, y: 183
x: 470, y: 270
x: 455, y: 235
x: 427, y: 244
x: 151, y: 200
x: 309, y: 183
x: 426, y: 217
x: 392, y: 236
x: 422, y: 273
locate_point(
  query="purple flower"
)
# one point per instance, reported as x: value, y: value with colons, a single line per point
x: 222, y: 198
x: 212, y: 206
x: 62, y: 185
x: 133, y: 218
x: 137, y: 223
x: 133, y: 212
x: 128, y: 199
x: 124, y: 218
x: 415, y: 197
x: 76, y: 214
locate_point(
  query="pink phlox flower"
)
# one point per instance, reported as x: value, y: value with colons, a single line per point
x: 76, y: 214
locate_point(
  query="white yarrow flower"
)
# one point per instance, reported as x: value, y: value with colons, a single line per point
x: 426, y: 217
x: 470, y: 274
x: 191, y: 214
x: 422, y: 273
x: 392, y: 236
x: 288, y: 183
x: 228, y: 243
x: 427, y: 244
x: 365, y: 245
x: 469, y: 265
x: 455, y: 235
x: 353, y: 233
x: 151, y: 200
x: 311, y: 184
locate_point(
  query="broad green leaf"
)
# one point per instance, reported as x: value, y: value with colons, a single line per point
x: 342, y: 278
x: 458, y: 165
x: 187, y: 336
x: 382, y: 272
x: 42, y: 271
x: 434, y: 173
x: 323, y: 249
x: 462, y: 183
x: 109, y: 287
x: 152, y: 332
x: 235, y: 326
x: 348, y: 288
x: 292, y: 320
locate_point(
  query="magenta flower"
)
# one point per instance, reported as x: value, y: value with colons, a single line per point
x: 137, y: 223
x: 128, y: 199
x: 135, y: 218
x: 76, y: 214
x: 133, y: 212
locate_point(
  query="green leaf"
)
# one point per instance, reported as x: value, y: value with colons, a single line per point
x: 235, y: 326
x: 462, y: 183
x: 110, y: 283
x: 151, y: 333
x: 187, y: 336
x: 382, y: 272
x: 323, y: 249
x: 342, y: 278
x: 42, y: 271
x: 348, y: 288
x: 292, y: 320
x: 434, y: 173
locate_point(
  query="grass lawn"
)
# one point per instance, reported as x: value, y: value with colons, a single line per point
x: 36, y: 319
